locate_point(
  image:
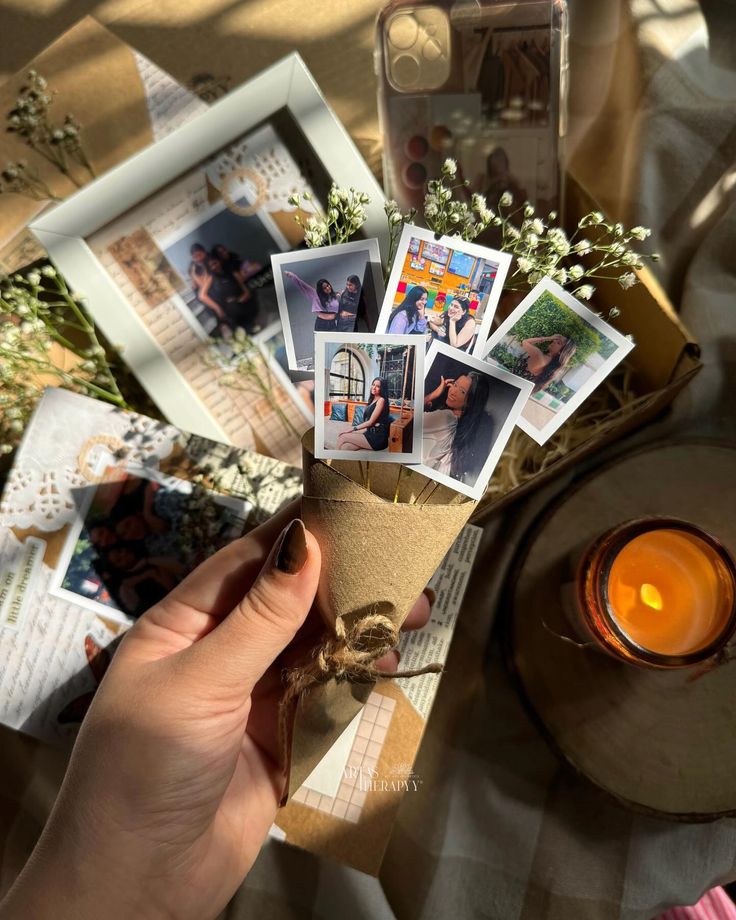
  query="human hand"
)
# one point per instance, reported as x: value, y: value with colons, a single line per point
x: 443, y: 385
x: 174, y: 780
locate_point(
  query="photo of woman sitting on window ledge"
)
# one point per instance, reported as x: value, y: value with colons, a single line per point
x: 368, y: 386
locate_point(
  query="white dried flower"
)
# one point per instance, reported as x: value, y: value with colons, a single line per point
x: 506, y: 200
x: 627, y: 280
x: 537, y: 226
x: 525, y: 265
x: 576, y: 272
x: 449, y: 168
x: 584, y: 292
x: 640, y: 233
x: 558, y: 240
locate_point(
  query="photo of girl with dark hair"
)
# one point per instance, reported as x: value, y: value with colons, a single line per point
x: 322, y: 299
x: 455, y: 326
x: 470, y: 409
x: 544, y: 368
x: 455, y: 421
x: 372, y: 432
x: 231, y: 261
x: 334, y: 288
x: 218, y: 284
x: 349, y: 299
x: 561, y: 347
x: 409, y: 317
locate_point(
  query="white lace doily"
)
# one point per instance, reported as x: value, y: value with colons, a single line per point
x: 63, y: 445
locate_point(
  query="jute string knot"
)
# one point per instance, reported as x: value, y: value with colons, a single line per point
x: 351, y: 654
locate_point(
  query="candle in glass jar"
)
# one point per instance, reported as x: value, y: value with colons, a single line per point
x: 658, y: 592
x: 667, y: 592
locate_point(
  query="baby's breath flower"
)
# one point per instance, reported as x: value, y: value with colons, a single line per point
x: 575, y: 272
x: 59, y: 144
x: 506, y: 200
x: 614, y: 312
x: 583, y: 247
x: 449, y: 168
x: 594, y: 219
x: 537, y: 226
x: 584, y: 292
x: 640, y: 233
x: 627, y: 280
x: 528, y: 209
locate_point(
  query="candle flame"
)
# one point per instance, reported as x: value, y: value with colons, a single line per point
x: 650, y: 596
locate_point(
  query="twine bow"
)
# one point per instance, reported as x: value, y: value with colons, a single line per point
x: 351, y: 654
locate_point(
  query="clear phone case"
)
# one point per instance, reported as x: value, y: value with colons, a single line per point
x: 480, y: 81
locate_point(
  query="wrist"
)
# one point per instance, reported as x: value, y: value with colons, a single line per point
x: 76, y: 875
x: 56, y: 884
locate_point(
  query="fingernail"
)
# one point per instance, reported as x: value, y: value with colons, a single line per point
x: 292, y: 552
x: 431, y: 596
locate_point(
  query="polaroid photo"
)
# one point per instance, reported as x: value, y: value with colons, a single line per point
x: 367, y: 390
x: 470, y: 409
x: 137, y: 535
x: 221, y: 265
x: 562, y: 348
x: 329, y: 289
x: 446, y: 290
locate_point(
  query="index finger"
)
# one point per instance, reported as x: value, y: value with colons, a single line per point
x: 196, y: 605
x: 218, y: 584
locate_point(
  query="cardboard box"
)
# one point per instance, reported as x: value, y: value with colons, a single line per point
x: 664, y: 361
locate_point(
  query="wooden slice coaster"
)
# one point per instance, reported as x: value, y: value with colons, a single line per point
x: 659, y: 741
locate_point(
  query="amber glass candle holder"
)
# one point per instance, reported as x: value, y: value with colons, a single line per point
x: 657, y: 592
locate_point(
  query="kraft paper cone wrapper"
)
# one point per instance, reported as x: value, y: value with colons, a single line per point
x: 377, y: 556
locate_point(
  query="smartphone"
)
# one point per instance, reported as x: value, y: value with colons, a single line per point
x: 481, y: 81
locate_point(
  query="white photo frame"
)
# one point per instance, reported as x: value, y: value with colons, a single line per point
x: 64, y: 230
x: 373, y: 264
x: 455, y: 245
x: 322, y: 342
x: 477, y: 489
x: 542, y: 430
